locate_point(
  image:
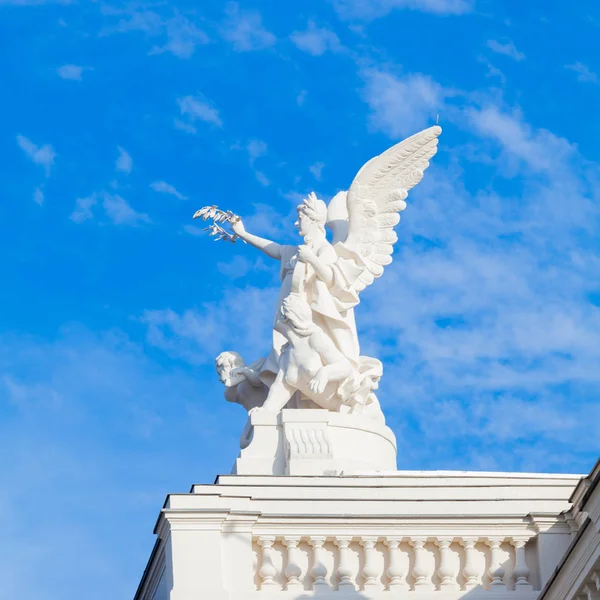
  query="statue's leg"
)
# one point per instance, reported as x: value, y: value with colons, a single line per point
x: 279, y: 394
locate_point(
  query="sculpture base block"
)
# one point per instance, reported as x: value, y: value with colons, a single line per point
x: 314, y: 442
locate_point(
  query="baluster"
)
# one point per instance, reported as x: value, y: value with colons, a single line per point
x: 344, y: 572
x: 496, y: 570
x: 267, y: 569
x: 369, y: 571
x: 521, y: 570
x: 445, y: 571
x: 470, y: 570
x: 292, y: 570
x: 318, y: 570
x: 589, y: 589
x: 395, y: 572
x: 420, y: 571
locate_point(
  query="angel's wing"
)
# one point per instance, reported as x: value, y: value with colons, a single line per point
x: 375, y: 199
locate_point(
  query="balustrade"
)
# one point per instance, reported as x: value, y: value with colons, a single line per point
x: 293, y: 562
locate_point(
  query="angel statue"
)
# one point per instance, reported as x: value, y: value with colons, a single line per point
x: 315, y: 354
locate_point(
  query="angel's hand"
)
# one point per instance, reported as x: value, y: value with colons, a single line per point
x: 319, y: 382
x: 238, y: 227
x: 307, y: 255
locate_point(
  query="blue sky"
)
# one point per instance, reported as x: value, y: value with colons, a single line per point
x: 120, y: 120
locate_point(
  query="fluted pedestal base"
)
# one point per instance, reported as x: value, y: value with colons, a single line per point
x: 314, y: 442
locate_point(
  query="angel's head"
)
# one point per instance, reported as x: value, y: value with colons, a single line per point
x: 312, y: 213
x: 225, y: 363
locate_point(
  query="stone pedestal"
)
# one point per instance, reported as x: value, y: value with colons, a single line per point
x: 314, y: 442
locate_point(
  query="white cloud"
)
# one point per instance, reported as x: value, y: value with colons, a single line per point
x: 256, y: 149
x: 197, y: 108
x: 541, y: 150
x: 83, y: 209
x: 193, y: 230
x: 180, y: 35
x: 38, y: 196
x: 316, y: 40
x: 401, y: 105
x: 244, y: 30
x: 317, y: 170
x: 72, y: 72
x: 183, y: 126
x: 584, y: 74
x: 373, y: 9
x: 94, y: 399
x: 199, y: 335
x: 166, y: 188
x: 116, y: 209
x: 506, y: 48
x: 301, y: 97
x: 120, y: 212
x: 40, y: 155
x: 124, y: 161
x: 239, y: 266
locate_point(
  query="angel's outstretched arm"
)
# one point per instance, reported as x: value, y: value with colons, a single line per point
x: 272, y: 249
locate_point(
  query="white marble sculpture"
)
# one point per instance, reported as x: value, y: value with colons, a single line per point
x: 315, y: 360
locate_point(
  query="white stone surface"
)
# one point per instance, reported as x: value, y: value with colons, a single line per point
x: 314, y: 360
x: 578, y: 575
x: 441, y: 535
x: 314, y: 442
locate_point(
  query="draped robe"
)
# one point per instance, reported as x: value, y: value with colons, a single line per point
x: 332, y: 306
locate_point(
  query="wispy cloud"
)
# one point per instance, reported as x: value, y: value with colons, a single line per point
x: 401, y: 105
x: 316, y: 40
x: 179, y: 34
x: 77, y: 396
x: 72, y: 72
x: 196, y: 108
x: 199, y: 335
x: 373, y: 9
x: 40, y: 155
x: 584, y: 73
x: 124, y: 162
x: 540, y: 149
x: 507, y: 48
x: 244, y: 29
x: 166, y: 188
x: 120, y: 212
x: 83, y: 209
x: 317, y: 170
x: 114, y: 207
x: 38, y: 196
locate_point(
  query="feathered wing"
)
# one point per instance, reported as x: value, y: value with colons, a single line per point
x: 375, y: 200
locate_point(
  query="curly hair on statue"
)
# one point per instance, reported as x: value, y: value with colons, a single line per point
x: 314, y: 209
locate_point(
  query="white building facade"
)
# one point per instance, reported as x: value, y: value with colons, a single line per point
x: 388, y: 534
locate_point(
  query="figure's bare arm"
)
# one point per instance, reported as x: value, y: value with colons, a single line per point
x: 323, y: 271
x: 272, y: 249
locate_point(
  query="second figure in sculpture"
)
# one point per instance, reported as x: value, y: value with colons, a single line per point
x: 315, y: 360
